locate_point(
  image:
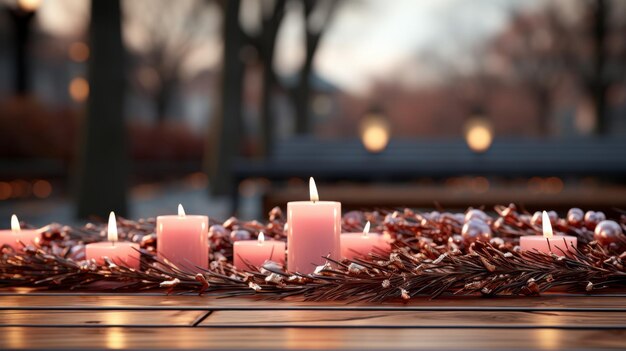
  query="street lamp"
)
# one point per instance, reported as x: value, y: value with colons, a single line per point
x: 375, y: 132
x: 478, y: 133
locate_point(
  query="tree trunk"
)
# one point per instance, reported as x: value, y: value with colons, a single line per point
x: 303, y: 92
x: 542, y: 98
x: 599, y: 84
x: 22, y: 26
x: 267, y: 119
x: 162, y: 100
x: 103, y: 164
x: 225, y: 142
x: 267, y: 47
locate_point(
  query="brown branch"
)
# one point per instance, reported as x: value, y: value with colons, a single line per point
x: 426, y: 260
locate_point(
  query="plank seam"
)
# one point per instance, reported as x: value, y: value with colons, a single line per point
x: 286, y: 326
x: 314, y: 308
x: 201, y: 319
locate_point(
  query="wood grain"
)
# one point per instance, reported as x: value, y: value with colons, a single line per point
x: 322, y: 339
x: 102, y: 318
x: 547, y: 302
x: 415, y: 319
x: 149, y: 321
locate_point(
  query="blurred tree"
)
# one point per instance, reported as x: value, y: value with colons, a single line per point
x: 541, y: 51
x: 264, y: 41
x: 166, y: 33
x: 22, y: 18
x: 103, y: 164
x: 226, y: 130
x: 317, y: 17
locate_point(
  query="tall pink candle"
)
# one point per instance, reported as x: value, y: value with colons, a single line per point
x: 183, y: 240
x: 313, y: 231
x: 256, y: 252
x: 548, y: 242
x: 121, y: 253
x: 355, y: 245
x: 17, y: 236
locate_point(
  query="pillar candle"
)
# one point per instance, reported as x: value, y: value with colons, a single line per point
x: 121, y: 253
x: 313, y: 231
x: 17, y: 236
x: 355, y: 245
x: 548, y: 242
x: 183, y: 240
x: 256, y: 252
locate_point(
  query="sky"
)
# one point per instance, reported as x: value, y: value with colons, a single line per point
x: 367, y: 41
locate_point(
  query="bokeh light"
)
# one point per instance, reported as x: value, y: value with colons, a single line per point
x: 375, y: 133
x: 79, y: 89
x: 29, y: 5
x: 478, y: 134
x: 5, y: 190
x: 42, y: 188
x: 78, y: 52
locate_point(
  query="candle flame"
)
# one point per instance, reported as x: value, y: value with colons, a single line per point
x: 366, y: 229
x: 261, y: 238
x: 15, y: 224
x: 181, y: 210
x: 547, y: 226
x: 112, y: 232
x: 313, y: 190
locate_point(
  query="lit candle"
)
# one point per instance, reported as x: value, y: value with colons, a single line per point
x: 361, y: 244
x: 313, y: 231
x: 121, y: 253
x: 548, y: 243
x: 183, y: 240
x: 256, y: 252
x: 17, y: 235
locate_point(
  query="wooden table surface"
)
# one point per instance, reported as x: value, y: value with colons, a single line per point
x: 154, y: 321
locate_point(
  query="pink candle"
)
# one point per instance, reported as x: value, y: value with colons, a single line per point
x: 121, y: 253
x: 183, y: 240
x: 354, y: 245
x: 313, y: 231
x: 17, y: 236
x: 548, y: 242
x: 256, y: 252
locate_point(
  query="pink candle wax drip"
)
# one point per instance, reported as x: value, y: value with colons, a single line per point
x: 313, y: 231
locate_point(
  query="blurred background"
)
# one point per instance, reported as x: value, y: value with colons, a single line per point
x: 229, y: 106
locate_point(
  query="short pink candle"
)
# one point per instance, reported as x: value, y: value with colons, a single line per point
x: 121, y: 253
x: 548, y: 242
x: 16, y: 236
x: 183, y: 240
x: 313, y: 231
x: 256, y: 252
x: 355, y: 245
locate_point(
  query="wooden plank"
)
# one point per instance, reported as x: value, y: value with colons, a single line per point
x: 295, y: 338
x: 193, y: 302
x: 100, y: 318
x: 415, y: 319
